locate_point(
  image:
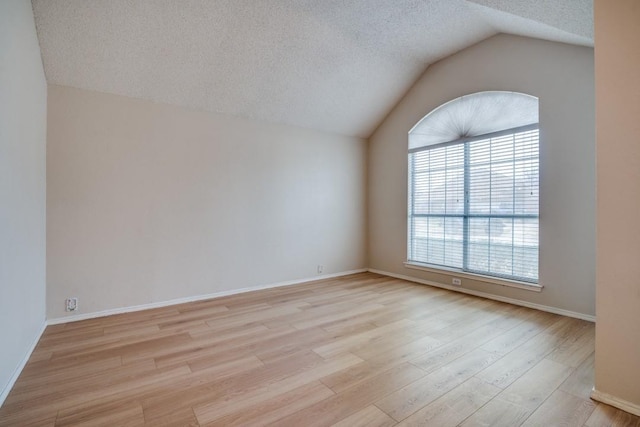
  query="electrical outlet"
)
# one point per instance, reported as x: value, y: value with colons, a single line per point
x: 71, y: 304
x: 320, y: 268
x: 456, y: 281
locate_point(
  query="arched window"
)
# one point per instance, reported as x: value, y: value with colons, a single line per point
x: 473, y: 186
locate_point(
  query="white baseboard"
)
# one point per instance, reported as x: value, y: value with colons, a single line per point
x: 110, y: 312
x: 541, y: 307
x: 629, y: 407
x: 20, y: 367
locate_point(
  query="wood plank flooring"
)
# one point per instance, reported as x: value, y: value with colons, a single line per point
x: 361, y: 350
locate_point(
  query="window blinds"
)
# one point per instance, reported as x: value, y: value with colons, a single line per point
x: 480, y: 113
x: 473, y: 205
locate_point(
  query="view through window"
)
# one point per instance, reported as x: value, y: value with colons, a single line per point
x: 474, y: 202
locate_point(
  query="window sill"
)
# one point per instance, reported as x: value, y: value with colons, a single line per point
x: 479, y: 277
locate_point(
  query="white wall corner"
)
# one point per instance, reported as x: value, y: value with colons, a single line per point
x: 20, y: 367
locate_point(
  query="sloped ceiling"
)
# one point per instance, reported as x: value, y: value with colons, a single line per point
x: 331, y: 65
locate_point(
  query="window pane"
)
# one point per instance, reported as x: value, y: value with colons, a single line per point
x: 502, y: 177
x: 500, y: 245
x: 525, y: 248
x: 479, y: 194
x: 454, y: 237
x: 438, y: 240
x: 495, y: 200
x: 419, y: 240
x: 478, y: 255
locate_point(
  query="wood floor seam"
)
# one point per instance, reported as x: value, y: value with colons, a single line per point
x: 359, y: 350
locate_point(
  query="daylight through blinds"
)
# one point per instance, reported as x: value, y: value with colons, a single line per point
x: 473, y: 205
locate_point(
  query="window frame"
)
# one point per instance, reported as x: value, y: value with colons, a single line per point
x: 506, y: 280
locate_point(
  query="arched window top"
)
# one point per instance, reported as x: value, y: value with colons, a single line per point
x: 473, y: 115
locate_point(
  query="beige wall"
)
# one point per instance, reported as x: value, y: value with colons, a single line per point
x: 23, y: 103
x: 149, y: 202
x: 562, y: 77
x: 617, y: 59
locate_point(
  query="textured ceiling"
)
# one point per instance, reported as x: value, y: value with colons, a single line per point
x: 331, y: 65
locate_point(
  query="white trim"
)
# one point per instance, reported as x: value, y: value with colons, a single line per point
x: 23, y: 363
x: 541, y: 307
x: 474, y: 276
x: 110, y: 312
x: 629, y: 407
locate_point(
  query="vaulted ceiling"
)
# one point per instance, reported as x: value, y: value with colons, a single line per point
x: 331, y: 65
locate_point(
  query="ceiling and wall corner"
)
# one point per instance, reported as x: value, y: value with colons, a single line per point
x: 333, y: 66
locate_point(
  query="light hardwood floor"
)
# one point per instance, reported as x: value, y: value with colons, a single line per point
x: 362, y: 350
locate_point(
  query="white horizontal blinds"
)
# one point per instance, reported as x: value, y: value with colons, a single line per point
x: 482, y: 218
x: 438, y: 206
x: 503, y: 206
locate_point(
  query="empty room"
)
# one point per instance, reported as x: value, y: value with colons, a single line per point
x: 319, y: 213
